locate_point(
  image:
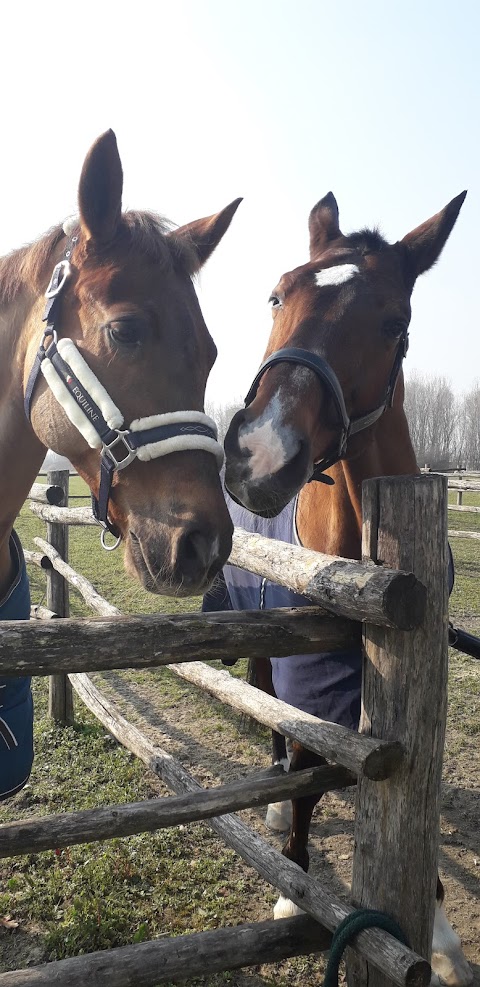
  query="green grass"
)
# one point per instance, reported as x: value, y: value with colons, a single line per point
x: 174, y: 881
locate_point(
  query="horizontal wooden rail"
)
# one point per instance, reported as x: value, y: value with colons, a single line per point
x: 376, y: 759
x: 69, y: 828
x: 464, y: 485
x: 464, y: 508
x: 358, y: 590
x: 456, y: 533
x: 405, y: 968
x: 170, y: 960
x: 37, y: 558
x: 103, y: 643
x: 348, y: 588
x: 63, y: 515
x: 37, y: 612
x: 44, y: 493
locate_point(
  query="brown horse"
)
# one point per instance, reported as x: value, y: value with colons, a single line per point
x: 110, y: 371
x: 327, y: 405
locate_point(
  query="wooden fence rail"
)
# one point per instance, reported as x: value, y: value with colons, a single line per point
x: 404, y: 533
x: 352, y: 589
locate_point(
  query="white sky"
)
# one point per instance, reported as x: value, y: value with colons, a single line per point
x: 275, y: 100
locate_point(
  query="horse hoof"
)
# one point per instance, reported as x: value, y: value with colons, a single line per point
x: 286, y: 908
x: 449, y: 965
x: 279, y: 817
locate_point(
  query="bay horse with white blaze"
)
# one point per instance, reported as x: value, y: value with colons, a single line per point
x: 327, y: 406
x: 109, y: 371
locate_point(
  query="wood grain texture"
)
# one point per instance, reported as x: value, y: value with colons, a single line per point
x: 404, y: 698
x: 359, y: 590
x: 70, y: 828
x: 175, y: 958
x: 399, y: 963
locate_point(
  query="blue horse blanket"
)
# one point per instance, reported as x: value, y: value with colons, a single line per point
x: 327, y: 684
x: 16, y: 706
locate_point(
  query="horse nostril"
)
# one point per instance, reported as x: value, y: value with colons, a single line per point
x: 197, y: 554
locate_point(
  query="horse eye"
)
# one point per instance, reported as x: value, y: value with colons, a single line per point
x: 274, y: 301
x: 126, y: 332
x: 395, y: 328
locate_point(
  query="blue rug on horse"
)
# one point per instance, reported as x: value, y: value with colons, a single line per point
x: 16, y: 706
x: 327, y: 684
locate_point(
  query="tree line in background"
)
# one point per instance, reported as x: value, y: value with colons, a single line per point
x: 445, y: 427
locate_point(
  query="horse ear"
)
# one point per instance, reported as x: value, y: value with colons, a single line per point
x: 100, y: 189
x: 205, y: 234
x: 424, y: 245
x: 323, y: 224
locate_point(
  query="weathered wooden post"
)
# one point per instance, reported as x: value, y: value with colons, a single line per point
x: 60, y: 700
x: 404, y: 699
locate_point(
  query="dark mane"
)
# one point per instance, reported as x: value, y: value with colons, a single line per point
x: 141, y: 231
x: 367, y: 241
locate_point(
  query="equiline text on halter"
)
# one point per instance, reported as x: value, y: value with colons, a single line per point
x: 90, y: 408
x: 325, y: 373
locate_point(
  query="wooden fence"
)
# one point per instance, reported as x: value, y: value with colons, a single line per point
x: 396, y: 754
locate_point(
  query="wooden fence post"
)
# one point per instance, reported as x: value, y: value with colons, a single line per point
x: 404, y: 699
x: 60, y: 700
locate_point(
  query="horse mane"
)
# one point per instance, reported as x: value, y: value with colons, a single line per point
x: 141, y: 231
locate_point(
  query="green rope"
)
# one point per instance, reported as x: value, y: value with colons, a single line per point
x: 362, y: 918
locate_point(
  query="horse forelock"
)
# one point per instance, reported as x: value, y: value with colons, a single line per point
x: 367, y: 240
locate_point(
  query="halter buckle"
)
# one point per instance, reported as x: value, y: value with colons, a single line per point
x: 61, y: 272
x: 121, y: 436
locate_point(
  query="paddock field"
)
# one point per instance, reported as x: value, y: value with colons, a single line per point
x: 64, y: 903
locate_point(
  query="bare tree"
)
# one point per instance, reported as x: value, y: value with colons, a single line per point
x: 222, y: 414
x: 433, y: 415
x: 469, y: 428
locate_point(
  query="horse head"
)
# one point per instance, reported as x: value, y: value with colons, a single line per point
x: 339, y: 335
x: 123, y: 383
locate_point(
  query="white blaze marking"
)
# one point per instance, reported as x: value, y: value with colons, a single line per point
x: 336, y: 275
x: 266, y: 449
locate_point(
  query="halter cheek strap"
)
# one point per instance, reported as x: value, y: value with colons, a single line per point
x: 325, y: 373
x: 91, y: 410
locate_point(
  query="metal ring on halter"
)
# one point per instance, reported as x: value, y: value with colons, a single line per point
x: 109, y: 548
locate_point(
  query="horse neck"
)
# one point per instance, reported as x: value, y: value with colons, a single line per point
x: 329, y: 518
x: 21, y: 453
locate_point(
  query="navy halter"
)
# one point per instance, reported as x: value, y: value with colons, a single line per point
x: 146, y: 438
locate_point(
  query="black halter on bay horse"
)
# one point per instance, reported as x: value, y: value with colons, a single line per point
x: 341, y: 325
x: 335, y: 352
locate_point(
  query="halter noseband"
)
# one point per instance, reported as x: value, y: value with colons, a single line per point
x: 90, y: 408
x: 322, y: 369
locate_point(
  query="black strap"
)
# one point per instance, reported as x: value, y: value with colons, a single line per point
x: 463, y: 641
x: 100, y: 506
x: 323, y: 370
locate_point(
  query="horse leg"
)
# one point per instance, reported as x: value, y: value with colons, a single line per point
x: 296, y: 846
x: 449, y: 965
x: 279, y: 814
